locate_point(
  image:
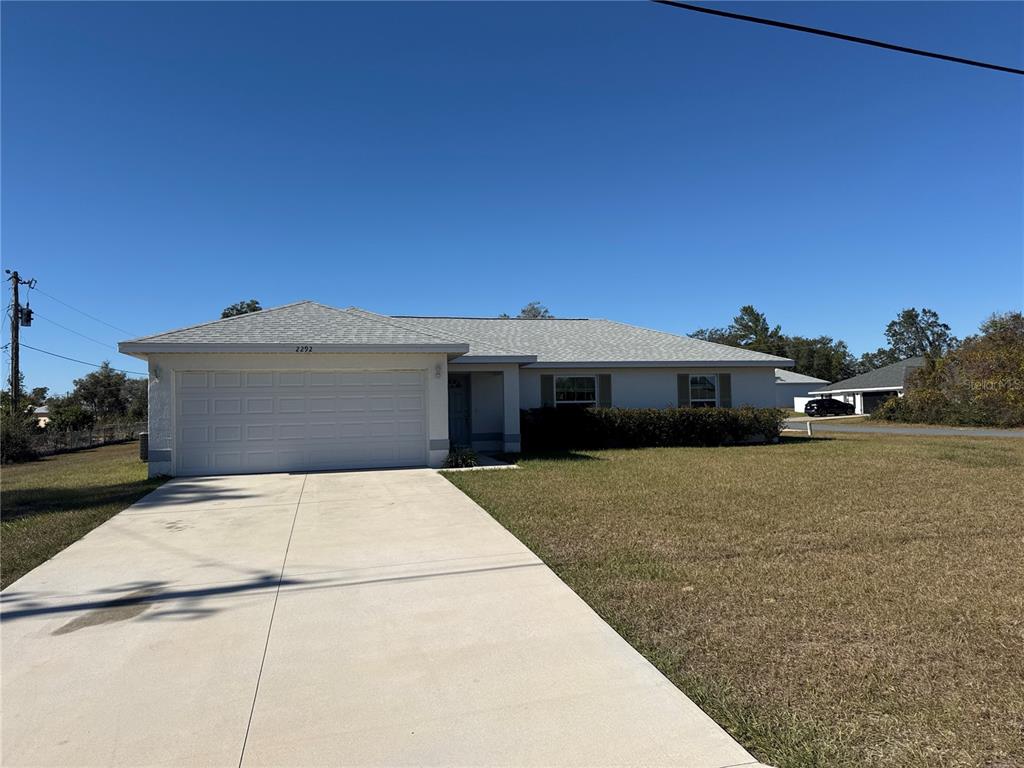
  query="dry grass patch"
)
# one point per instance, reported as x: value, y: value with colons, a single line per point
x: 843, y: 601
x: 50, y: 503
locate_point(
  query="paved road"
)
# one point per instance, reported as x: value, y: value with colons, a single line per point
x: 828, y: 425
x: 362, y: 618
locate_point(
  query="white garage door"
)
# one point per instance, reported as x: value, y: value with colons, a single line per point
x: 279, y: 421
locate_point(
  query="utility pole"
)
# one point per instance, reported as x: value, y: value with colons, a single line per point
x: 17, y: 317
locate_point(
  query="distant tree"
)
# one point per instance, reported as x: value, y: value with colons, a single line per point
x: 103, y: 392
x: 67, y: 414
x: 821, y: 357
x: 912, y: 334
x: 980, y: 381
x: 38, y: 395
x: 137, y: 396
x: 5, y: 395
x: 533, y: 311
x: 715, y: 335
x: 752, y: 331
x: 241, y: 308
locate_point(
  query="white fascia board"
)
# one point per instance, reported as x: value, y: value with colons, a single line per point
x: 858, y: 389
x: 142, y: 349
x: 665, y: 364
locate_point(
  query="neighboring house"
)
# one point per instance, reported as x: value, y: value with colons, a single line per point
x: 869, y: 390
x: 42, y: 415
x: 790, y: 385
x: 306, y: 386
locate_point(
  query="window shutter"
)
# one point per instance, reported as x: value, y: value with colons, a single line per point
x: 604, y: 390
x: 547, y: 391
x: 683, y: 390
x: 725, y: 390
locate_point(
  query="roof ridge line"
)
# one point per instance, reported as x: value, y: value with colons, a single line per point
x: 390, y: 321
x: 225, y: 319
x: 446, y: 338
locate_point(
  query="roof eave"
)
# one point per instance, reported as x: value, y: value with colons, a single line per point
x: 144, y: 349
x: 773, y: 363
x: 890, y: 388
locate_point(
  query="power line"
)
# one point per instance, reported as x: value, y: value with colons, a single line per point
x: 72, y: 330
x: 83, y: 312
x: 838, y: 36
x: 83, y: 362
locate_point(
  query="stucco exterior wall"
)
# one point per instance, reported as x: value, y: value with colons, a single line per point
x: 164, y: 367
x: 656, y: 387
x: 785, y: 393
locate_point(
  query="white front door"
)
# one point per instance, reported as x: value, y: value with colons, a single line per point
x: 279, y: 421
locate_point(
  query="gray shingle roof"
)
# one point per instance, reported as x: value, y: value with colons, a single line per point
x: 517, y: 340
x: 887, y: 376
x: 585, y: 341
x: 304, y: 322
x: 783, y: 376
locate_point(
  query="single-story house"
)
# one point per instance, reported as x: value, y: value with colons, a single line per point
x: 869, y: 390
x: 41, y: 413
x: 307, y: 386
x: 790, y: 385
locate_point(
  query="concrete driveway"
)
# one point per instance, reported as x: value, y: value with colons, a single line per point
x: 362, y: 618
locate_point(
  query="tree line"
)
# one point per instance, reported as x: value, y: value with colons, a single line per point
x: 912, y: 333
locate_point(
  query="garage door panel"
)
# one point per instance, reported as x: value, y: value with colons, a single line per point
x: 292, y: 431
x: 291, y: 405
x: 227, y: 406
x: 259, y: 379
x: 259, y: 431
x: 227, y: 433
x: 274, y: 421
x: 259, y: 405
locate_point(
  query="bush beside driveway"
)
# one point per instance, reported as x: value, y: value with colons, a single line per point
x: 849, y: 600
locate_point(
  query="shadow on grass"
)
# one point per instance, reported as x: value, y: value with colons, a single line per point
x: 799, y: 439
x: 28, y: 502
x: 558, y: 456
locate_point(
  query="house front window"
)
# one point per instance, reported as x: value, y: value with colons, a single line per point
x: 576, y: 390
x: 704, y: 391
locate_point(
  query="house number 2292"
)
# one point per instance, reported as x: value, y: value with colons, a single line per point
x: 304, y: 348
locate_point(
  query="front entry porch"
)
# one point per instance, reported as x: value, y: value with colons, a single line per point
x: 483, y: 408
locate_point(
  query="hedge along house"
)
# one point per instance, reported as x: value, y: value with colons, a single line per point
x: 307, y: 386
x: 869, y: 390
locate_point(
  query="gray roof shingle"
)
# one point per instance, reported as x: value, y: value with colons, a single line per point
x: 304, y: 322
x: 585, y: 341
x: 542, y: 342
x: 887, y: 376
x: 783, y: 376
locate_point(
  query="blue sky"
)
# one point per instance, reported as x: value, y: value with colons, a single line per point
x: 621, y: 160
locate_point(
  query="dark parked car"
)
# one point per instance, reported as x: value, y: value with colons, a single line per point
x: 828, y: 406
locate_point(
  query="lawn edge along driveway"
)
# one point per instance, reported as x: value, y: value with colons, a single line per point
x: 50, y: 503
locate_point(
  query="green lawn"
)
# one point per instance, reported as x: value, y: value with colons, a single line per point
x: 850, y: 600
x: 50, y: 503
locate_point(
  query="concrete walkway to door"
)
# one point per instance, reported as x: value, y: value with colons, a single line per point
x: 329, y: 619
